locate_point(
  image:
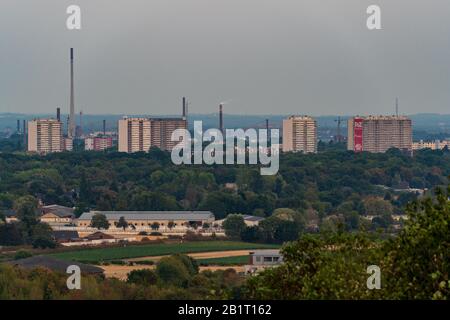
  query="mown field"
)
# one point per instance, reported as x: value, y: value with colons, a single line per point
x: 225, y: 261
x: 93, y: 255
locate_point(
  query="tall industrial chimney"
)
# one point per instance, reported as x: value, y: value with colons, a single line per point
x: 81, y: 123
x: 184, y: 107
x: 71, y: 129
x: 58, y: 114
x: 104, y: 127
x: 18, y: 126
x: 396, y: 107
x: 221, y: 118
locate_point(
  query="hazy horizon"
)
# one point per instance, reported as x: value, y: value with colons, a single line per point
x: 261, y: 57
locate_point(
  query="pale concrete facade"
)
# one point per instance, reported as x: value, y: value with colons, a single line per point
x: 433, y: 145
x: 379, y: 133
x: 140, y: 134
x: 45, y: 136
x: 97, y: 143
x: 143, y: 220
x: 134, y: 135
x: 300, y: 134
x: 161, y: 132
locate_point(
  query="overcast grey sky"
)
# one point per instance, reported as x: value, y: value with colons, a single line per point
x: 264, y: 56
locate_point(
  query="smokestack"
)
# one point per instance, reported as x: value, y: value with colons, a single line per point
x: 18, y: 126
x: 221, y: 118
x: 396, y: 107
x: 58, y: 114
x: 104, y: 127
x: 81, y: 123
x: 71, y: 129
x: 184, y: 107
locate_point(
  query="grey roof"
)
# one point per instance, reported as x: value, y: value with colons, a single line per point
x: 54, y: 264
x: 65, y: 234
x: 253, y: 218
x: 151, y: 215
x: 265, y: 252
x: 58, y: 210
x: 247, y: 217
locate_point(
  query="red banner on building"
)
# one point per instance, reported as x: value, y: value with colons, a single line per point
x: 358, y: 135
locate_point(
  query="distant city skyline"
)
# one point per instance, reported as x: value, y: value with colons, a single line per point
x: 261, y: 57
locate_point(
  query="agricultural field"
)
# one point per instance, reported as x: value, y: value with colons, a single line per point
x: 224, y: 261
x: 96, y: 255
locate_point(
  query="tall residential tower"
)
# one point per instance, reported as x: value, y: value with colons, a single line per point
x: 379, y: 133
x: 300, y: 134
x: 45, y: 136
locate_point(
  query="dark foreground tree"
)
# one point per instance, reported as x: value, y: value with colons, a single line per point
x: 234, y: 224
x: 122, y: 223
x: 100, y: 221
x: 413, y: 265
x: 418, y: 261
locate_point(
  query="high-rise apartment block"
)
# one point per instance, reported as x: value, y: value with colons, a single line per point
x: 134, y: 135
x: 139, y: 134
x: 161, y: 132
x: 45, y: 136
x: 379, y: 133
x: 300, y: 134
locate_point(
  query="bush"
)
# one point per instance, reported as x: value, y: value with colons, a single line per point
x: 155, y: 233
x: 22, y: 254
x: 142, y: 233
x: 144, y: 277
x: 172, y: 270
x: 192, y: 236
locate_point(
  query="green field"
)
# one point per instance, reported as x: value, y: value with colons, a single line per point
x: 104, y: 254
x: 225, y: 261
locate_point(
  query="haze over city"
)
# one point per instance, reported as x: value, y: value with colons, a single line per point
x: 264, y: 57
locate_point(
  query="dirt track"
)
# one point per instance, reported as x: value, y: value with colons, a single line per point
x: 121, y: 272
x: 200, y: 255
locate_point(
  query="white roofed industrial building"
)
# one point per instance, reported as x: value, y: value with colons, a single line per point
x: 144, y: 219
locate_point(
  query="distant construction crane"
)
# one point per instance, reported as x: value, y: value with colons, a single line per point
x: 338, y: 137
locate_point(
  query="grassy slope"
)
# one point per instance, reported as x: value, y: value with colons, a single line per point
x: 103, y: 254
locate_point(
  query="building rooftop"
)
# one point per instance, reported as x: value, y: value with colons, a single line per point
x: 65, y: 235
x: 298, y: 117
x: 383, y: 117
x: 266, y: 252
x: 253, y: 218
x: 58, y: 210
x: 151, y: 215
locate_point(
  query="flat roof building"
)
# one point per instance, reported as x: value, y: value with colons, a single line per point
x: 379, y: 133
x: 45, y: 136
x: 144, y: 219
x: 300, y: 134
x: 140, y: 134
x: 98, y: 143
x: 262, y: 259
x: 134, y: 135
